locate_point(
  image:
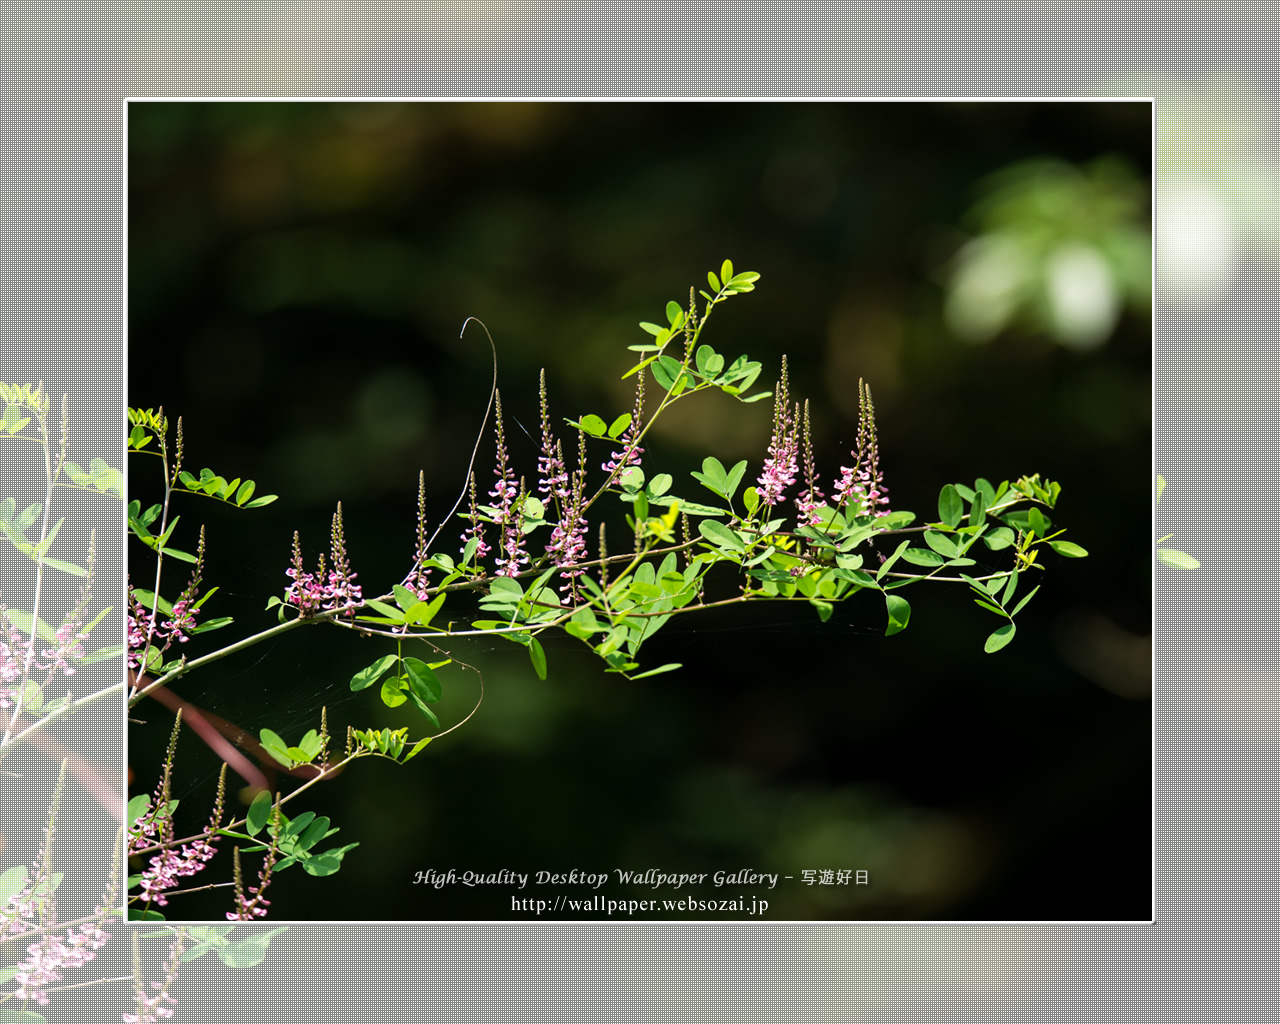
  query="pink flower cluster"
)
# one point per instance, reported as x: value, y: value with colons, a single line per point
x: 18, y: 657
x: 154, y: 1008
x: 419, y: 578
x: 568, y: 544
x: 811, y: 498
x: 860, y: 486
x: 48, y: 957
x: 159, y: 1005
x: 508, y: 499
x: 780, y: 467
x: 168, y: 865
x: 476, y: 529
x: 255, y: 904
x: 553, y: 478
x: 863, y: 482
x: 568, y: 539
x: 312, y: 593
x: 146, y: 633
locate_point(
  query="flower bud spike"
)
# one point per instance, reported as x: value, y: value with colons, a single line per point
x: 780, y: 467
x: 811, y: 499
x: 553, y: 478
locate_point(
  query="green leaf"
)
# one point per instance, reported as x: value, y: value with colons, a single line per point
x: 506, y: 587
x: 240, y: 955
x: 720, y: 535
x: 388, y: 610
x: 899, y: 613
x: 659, y: 670
x: 651, y: 328
x: 950, y: 506
x: 593, y: 425
x: 12, y: 880
x: 1159, y: 487
x: 708, y: 361
x: 310, y: 744
x: 211, y: 624
x: 422, y: 680
x: 538, y: 656
x: 366, y: 677
x: 327, y: 863
x: 275, y: 745
x: 824, y: 608
x: 978, y: 512
x: 1009, y: 588
x: 888, y: 562
x: 751, y: 499
x: 999, y: 539
x: 691, y: 508
x: 1038, y: 523
x: 674, y: 313
x: 1023, y: 603
x: 619, y: 425
x: 1175, y: 558
x: 726, y: 271
x: 1069, y: 550
x: 421, y: 706
x: 713, y: 475
x: 942, y: 544
x: 733, y: 478
x: 8, y: 1016
x: 259, y: 811
x: 1000, y: 638
x: 392, y: 691
x: 28, y: 516
x: 667, y: 372
x: 22, y: 619
x: 134, y: 810
x: 245, y: 492
x: 67, y: 567
x: 405, y: 597
x: 266, y: 499
x: 922, y: 556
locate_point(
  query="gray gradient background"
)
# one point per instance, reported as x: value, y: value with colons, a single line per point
x: 64, y: 71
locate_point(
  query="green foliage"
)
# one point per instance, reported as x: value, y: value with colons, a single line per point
x: 1172, y: 556
x: 613, y: 603
x: 247, y: 949
x: 235, y: 492
x: 1057, y: 249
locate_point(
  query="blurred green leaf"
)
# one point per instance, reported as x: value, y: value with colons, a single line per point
x: 1177, y: 559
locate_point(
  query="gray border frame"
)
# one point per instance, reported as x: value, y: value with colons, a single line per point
x: 1211, y: 955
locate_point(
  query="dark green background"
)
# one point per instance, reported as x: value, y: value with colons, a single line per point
x: 298, y: 275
